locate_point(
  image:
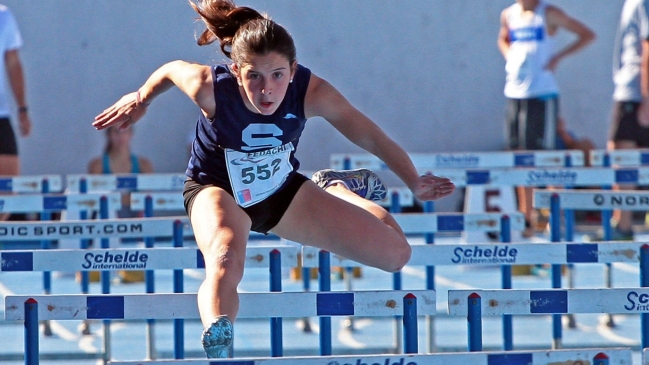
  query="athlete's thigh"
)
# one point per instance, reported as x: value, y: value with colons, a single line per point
x: 220, y: 225
x: 9, y: 165
x: 317, y: 218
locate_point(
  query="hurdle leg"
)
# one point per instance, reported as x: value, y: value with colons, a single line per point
x: 474, y: 322
x: 569, y: 218
x: 84, y: 327
x: 276, y: 342
x: 608, y: 275
x: 324, y: 269
x: 306, y: 284
x: 306, y: 280
x: 398, y: 328
x: 31, y: 332
x: 348, y: 323
x: 149, y: 279
x: 410, y: 337
x: 47, y: 276
x: 429, y: 207
x: 555, y: 236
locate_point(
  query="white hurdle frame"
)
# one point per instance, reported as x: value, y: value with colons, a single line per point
x: 613, y: 356
x: 465, y: 160
x: 175, y: 258
x: 476, y: 303
x: 33, y: 184
x: 130, y: 182
x: 179, y: 306
x: 428, y: 223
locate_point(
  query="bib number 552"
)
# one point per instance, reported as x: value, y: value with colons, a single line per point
x: 261, y: 172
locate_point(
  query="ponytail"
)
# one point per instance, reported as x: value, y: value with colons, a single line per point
x: 241, y: 31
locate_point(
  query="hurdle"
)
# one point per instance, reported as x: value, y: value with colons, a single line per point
x: 491, y: 199
x: 570, y: 253
x: 31, y: 184
x: 476, y: 303
x: 466, y: 160
x: 30, y: 309
x: 128, y: 182
x: 630, y: 157
x: 618, y: 356
x: 175, y: 258
x: 429, y: 224
x: 48, y: 203
x: 489, y: 254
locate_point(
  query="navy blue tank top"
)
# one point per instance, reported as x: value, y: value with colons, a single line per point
x: 237, y: 128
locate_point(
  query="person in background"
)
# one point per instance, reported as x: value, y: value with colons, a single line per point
x: 630, y: 122
x: 243, y: 174
x: 118, y: 158
x: 11, y: 74
x: 526, y: 41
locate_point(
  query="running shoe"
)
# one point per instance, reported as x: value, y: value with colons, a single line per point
x: 362, y: 182
x: 217, y: 338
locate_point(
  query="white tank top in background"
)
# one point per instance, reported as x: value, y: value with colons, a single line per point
x: 530, y: 49
x: 627, y: 56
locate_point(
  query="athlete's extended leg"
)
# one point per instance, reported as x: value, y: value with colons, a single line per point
x: 221, y: 229
x: 341, y: 222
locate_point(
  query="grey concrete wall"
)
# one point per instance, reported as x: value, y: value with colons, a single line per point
x: 427, y: 71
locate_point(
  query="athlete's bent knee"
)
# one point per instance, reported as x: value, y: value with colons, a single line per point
x: 400, y: 256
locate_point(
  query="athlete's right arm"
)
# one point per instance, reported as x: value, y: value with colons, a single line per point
x: 503, y: 35
x: 193, y: 79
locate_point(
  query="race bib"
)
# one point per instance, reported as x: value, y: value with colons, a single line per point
x: 256, y: 175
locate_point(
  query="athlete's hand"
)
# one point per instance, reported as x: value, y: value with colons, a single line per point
x: 25, y: 124
x: 124, y: 113
x: 431, y: 187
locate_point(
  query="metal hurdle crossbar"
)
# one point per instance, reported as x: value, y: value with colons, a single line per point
x: 466, y: 160
x: 31, y: 184
x: 572, y: 176
x: 30, y: 309
x: 593, y: 199
x: 130, y: 182
x: 167, y: 201
x: 378, y: 303
x: 29, y: 203
x: 174, y: 200
x: 629, y: 157
x: 617, y: 356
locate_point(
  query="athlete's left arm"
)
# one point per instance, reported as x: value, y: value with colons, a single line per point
x: 557, y: 18
x: 324, y: 100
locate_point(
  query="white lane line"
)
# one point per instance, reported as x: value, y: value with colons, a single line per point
x: 608, y: 333
x: 195, y: 274
x: 622, y: 266
x: 4, y: 291
x: 346, y: 336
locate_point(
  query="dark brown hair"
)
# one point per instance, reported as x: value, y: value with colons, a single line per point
x: 242, y: 31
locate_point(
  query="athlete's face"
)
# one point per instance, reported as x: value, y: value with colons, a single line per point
x: 264, y: 80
